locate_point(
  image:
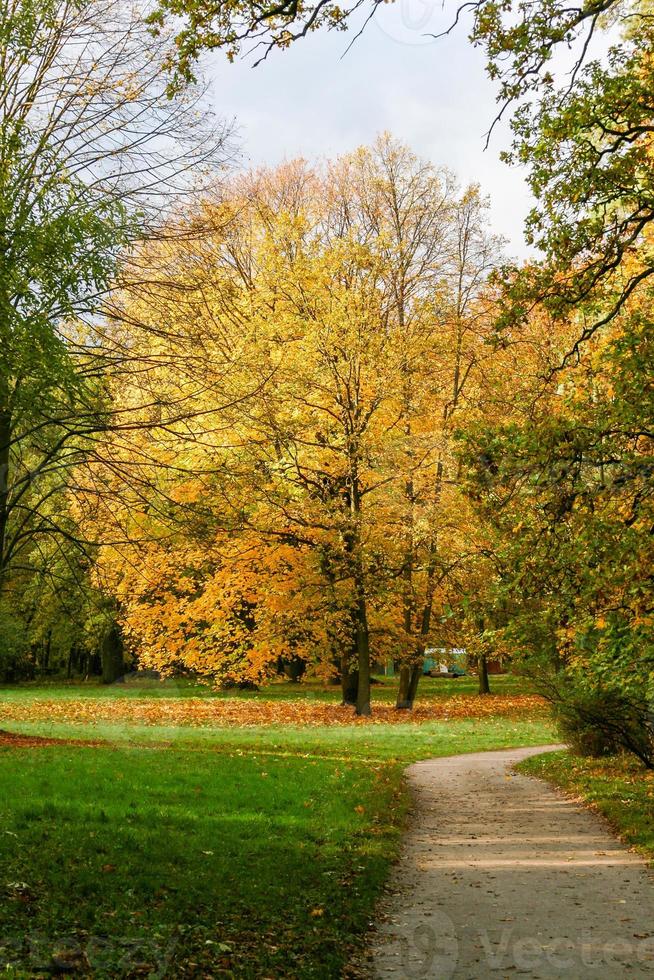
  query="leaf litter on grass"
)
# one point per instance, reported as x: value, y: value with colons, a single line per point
x: 200, y: 712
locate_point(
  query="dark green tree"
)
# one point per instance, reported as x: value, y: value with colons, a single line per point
x: 566, y: 486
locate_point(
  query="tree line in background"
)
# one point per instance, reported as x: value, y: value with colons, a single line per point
x: 310, y: 416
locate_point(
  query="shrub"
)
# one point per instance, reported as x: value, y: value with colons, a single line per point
x: 602, y: 721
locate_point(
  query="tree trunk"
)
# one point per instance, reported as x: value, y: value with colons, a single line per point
x: 482, y: 671
x: 112, y: 654
x: 408, y: 687
x: 349, y: 681
x: 45, y: 657
x: 416, y: 674
x: 406, y: 694
x: 5, y: 443
x: 410, y: 676
x: 402, y: 701
x: 360, y: 613
x: 363, y: 653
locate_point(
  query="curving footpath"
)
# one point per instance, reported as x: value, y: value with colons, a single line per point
x: 501, y: 876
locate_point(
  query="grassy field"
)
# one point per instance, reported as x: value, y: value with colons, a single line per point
x: 619, y: 788
x: 163, y: 863
x: 168, y: 850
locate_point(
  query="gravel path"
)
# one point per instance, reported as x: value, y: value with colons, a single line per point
x: 501, y: 876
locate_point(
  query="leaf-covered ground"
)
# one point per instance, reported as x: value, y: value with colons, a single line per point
x: 204, y: 712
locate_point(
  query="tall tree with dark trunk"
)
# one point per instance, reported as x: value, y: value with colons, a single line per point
x: 112, y: 653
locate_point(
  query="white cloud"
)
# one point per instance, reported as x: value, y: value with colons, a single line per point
x: 313, y: 100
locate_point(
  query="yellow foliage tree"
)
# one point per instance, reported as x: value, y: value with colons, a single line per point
x: 323, y: 330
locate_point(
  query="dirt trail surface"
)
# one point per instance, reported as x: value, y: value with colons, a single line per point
x: 501, y: 876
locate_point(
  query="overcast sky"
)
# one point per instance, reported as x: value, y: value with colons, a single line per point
x: 312, y: 101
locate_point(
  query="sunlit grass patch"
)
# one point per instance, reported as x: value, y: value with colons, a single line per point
x: 402, y: 743
x: 196, y: 863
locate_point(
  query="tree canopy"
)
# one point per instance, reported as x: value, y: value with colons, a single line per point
x: 332, y: 328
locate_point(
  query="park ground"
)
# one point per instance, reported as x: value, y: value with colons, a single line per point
x: 197, y: 834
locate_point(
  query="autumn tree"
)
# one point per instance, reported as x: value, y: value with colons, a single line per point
x: 584, y: 134
x: 336, y: 318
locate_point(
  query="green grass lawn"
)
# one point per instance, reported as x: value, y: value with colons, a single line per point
x: 185, y: 852
x: 619, y: 788
x: 178, y: 864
